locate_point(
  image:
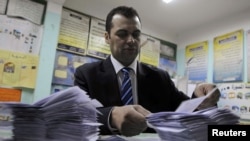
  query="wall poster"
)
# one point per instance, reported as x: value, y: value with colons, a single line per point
x: 18, y: 69
x: 167, y: 60
x: 65, y: 65
x: 150, y: 50
x: 20, y: 35
x: 197, y: 61
x: 10, y: 95
x: 97, y: 46
x: 74, y: 30
x: 228, y: 57
x: 248, y: 55
x: 236, y: 97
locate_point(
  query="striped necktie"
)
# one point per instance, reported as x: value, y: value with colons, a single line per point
x: 126, y: 88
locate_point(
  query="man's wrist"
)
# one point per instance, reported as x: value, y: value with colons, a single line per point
x: 112, y: 129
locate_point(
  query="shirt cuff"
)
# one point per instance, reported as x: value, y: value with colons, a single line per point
x: 113, y: 130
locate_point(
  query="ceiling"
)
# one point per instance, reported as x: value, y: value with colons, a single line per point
x: 175, y: 17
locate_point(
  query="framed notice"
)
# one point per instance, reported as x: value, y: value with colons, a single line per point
x: 228, y: 57
x: 97, y: 46
x: 74, y: 30
x: 196, y: 61
x: 150, y: 50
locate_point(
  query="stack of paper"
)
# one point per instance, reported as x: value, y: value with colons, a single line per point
x: 6, y: 122
x: 70, y: 115
x: 178, y: 126
x: 28, y: 123
x: 24, y: 122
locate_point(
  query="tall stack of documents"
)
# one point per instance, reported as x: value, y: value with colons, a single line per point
x: 21, y: 122
x: 180, y: 126
x: 68, y: 115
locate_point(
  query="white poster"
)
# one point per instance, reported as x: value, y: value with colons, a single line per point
x: 27, y: 9
x: 236, y: 97
x: 20, y: 35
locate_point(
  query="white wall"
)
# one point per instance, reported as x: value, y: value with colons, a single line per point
x: 201, y: 33
x: 208, y: 32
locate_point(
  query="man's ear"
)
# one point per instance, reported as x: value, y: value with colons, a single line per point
x: 107, y: 38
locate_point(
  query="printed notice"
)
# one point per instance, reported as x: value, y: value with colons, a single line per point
x: 74, y: 31
x: 27, y: 9
x: 197, y: 61
x: 3, y: 5
x: 18, y: 69
x: 228, y: 57
x: 97, y: 46
x: 150, y: 51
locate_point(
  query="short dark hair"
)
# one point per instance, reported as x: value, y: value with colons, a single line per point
x: 128, y: 12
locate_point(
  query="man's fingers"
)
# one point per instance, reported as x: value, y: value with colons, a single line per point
x: 142, y: 110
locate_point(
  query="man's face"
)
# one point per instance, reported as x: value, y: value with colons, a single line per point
x: 124, y: 38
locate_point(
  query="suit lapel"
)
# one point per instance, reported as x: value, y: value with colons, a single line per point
x: 109, y: 78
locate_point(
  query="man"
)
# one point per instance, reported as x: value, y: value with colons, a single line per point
x: 152, y: 88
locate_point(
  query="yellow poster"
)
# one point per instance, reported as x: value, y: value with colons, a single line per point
x: 18, y: 69
x: 228, y: 57
x: 97, y: 46
x: 197, y: 61
x: 150, y: 51
x: 74, y: 31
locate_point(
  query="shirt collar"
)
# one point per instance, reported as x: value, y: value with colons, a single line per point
x: 118, y: 66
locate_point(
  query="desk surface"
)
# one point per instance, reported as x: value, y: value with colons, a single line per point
x: 141, y: 137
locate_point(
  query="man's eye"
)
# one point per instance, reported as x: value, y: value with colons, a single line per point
x: 136, y: 35
x: 122, y: 34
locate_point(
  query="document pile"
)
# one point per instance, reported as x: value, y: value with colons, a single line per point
x: 68, y: 115
x: 186, y: 125
x: 21, y: 122
x: 176, y: 126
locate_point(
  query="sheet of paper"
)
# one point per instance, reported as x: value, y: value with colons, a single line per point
x: 190, y: 105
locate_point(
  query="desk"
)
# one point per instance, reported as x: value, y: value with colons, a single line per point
x: 141, y: 137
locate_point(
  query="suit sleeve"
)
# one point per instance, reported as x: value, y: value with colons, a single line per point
x: 103, y: 116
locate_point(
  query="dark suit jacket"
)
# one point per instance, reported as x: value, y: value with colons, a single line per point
x: 156, y: 91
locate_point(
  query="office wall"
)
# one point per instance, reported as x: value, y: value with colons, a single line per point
x: 149, y: 30
x: 208, y: 32
x: 204, y: 32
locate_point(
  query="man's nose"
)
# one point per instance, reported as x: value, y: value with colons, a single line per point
x: 131, y: 39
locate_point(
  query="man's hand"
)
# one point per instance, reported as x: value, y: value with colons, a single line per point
x: 202, y: 90
x: 129, y: 120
